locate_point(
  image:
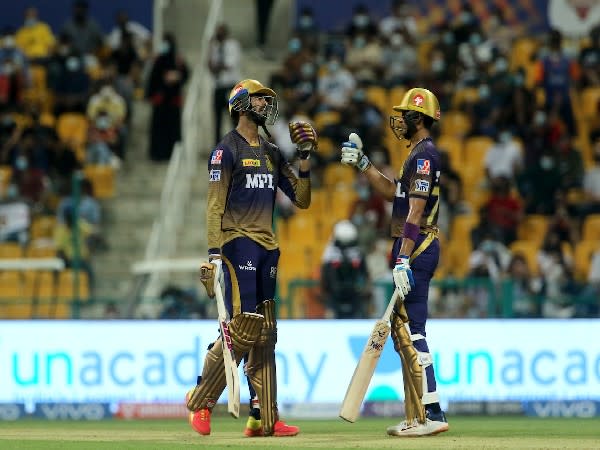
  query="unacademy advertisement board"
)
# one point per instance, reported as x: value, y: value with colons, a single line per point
x: 150, y: 361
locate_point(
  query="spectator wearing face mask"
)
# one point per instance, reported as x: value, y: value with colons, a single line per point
x: 399, y: 61
x: 503, y: 158
x: 401, y: 20
x: 540, y: 182
x: 307, y: 29
x: 84, y: 31
x: 361, y: 23
x: 335, y: 85
x: 107, y: 111
x: 591, y: 181
x: 364, y: 58
x: 35, y: 38
x: 164, y: 90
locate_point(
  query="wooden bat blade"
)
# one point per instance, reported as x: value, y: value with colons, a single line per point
x: 231, y: 373
x: 364, y: 371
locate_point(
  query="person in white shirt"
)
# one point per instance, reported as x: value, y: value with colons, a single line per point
x: 224, y: 57
x: 140, y: 34
x: 335, y: 86
x: 503, y: 158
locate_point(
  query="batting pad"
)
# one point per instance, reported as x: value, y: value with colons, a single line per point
x: 261, y: 368
x: 244, y: 329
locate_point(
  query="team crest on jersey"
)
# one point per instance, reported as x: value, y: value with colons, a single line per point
x: 421, y: 185
x: 268, y: 163
x: 423, y: 166
x: 251, y: 162
x: 273, y: 272
x: 215, y: 175
x: 216, y: 157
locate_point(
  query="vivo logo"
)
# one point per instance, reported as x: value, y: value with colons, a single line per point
x: 259, y: 180
x: 72, y: 411
x: 582, y: 408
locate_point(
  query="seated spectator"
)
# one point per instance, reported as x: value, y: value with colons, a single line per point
x: 344, y: 276
x: 83, y: 30
x: 364, y: 58
x: 101, y: 139
x: 307, y: 29
x: 335, y: 85
x: 127, y: 70
x: 369, y: 209
x: 63, y: 163
x: 570, y: 164
x: 558, y: 286
x: 451, y: 194
x: 503, y: 158
x: 489, y: 259
x: 401, y: 20
x: 540, y: 182
x: 399, y: 60
x: 35, y: 38
x: 137, y: 33
x: 107, y: 112
x: 524, y: 288
x: 361, y: 23
x: 68, y: 78
x: 504, y: 211
x: 89, y: 207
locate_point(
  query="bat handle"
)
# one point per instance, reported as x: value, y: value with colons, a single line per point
x: 391, y: 304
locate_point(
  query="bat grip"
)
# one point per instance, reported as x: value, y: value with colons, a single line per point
x: 390, y: 306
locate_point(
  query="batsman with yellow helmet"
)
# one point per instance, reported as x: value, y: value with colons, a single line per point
x: 415, y: 196
x: 244, y: 173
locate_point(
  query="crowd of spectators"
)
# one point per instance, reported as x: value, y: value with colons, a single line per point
x: 65, y: 104
x: 527, y: 153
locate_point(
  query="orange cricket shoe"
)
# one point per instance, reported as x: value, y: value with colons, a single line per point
x: 281, y: 429
x: 253, y: 427
x: 200, y: 421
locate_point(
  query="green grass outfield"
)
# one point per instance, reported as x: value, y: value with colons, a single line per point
x: 465, y: 433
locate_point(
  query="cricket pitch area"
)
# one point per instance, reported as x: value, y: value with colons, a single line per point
x: 367, y: 433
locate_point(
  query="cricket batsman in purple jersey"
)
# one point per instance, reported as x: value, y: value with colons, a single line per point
x: 244, y: 173
x: 416, y: 250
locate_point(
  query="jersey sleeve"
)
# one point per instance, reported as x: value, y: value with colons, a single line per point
x: 297, y: 188
x: 220, y: 171
x: 421, y: 178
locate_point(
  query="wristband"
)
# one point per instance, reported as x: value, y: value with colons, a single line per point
x: 411, y: 231
x: 363, y: 163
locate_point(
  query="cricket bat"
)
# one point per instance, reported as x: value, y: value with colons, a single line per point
x: 366, y: 365
x: 231, y: 371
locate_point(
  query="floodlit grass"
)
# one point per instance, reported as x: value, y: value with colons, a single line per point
x: 465, y: 433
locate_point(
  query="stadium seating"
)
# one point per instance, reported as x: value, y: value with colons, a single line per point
x: 462, y: 226
x: 72, y: 128
x: 378, y: 96
x: 474, y: 152
x: 591, y: 228
x: 583, y: 257
x: 453, y: 147
x: 42, y: 227
x: 5, y: 176
x: 11, y: 250
x: 533, y: 228
x: 102, y: 178
x: 455, y: 123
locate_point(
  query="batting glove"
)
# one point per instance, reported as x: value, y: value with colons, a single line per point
x: 352, y: 153
x: 403, y: 276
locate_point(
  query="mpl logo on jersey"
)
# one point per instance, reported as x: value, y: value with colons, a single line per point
x: 423, y: 166
x: 259, y: 180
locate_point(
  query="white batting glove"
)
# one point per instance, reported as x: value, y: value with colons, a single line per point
x: 403, y: 277
x: 352, y: 154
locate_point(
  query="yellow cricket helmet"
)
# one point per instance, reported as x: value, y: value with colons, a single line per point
x: 239, y: 97
x: 421, y: 100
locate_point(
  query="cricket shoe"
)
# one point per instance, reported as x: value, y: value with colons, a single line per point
x: 199, y: 419
x: 253, y: 427
x: 281, y: 429
x: 416, y: 429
